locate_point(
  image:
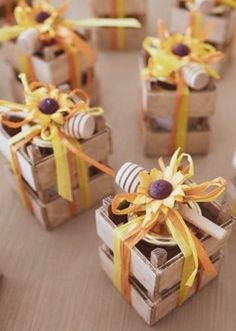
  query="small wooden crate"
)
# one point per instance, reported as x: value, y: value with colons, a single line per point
x: 18, y: 95
x: 106, y: 38
x: 40, y: 175
x: 54, y: 70
x: 132, y: 7
x: 153, y: 311
x: 160, y: 101
x: 58, y: 211
x: 223, y: 25
x: 157, y: 281
x: 157, y: 141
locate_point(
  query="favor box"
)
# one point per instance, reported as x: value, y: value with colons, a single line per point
x: 51, y: 64
x: 39, y: 174
x: 155, y: 284
x: 223, y: 25
x: 107, y: 38
x: 158, y: 107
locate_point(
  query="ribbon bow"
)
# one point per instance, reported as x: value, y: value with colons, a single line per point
x: 52, y: 27
x: 45, y: 111
x: 151, y: 206
x: 165, y: 65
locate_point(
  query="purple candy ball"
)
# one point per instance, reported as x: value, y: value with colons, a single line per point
x: 181, y: 50
x: 48, y: 106
x: 42, y: 16
x: 160, y: 189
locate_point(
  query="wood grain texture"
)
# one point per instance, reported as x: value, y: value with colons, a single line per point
x: 53, y: 281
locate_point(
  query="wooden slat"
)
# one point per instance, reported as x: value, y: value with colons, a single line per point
x: 158, y: 143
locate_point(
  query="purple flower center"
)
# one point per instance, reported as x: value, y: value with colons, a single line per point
x: 160, y: 189
x: 42, y: 16
x: 48, y: 106
x: 181, y: 50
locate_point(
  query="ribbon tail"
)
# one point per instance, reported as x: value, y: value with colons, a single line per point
x: 62, y: 167
x: 27, y: 66
x: 121, y: 267
x: 204, y: 259
x: 87, y: 158
x: 184, y: 239
x: 83, y: 179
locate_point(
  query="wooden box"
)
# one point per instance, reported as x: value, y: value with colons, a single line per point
x: 132, y: 7
x: 158, y: 100
x: 158, y: 280
x: 58, y: 211
x: 153, y: 311
x: 223, y: 25
x: 50, y: 66
x: 107, y: 38
x: 40, y: 174
x: 157, y: 141
x: 18, y: 95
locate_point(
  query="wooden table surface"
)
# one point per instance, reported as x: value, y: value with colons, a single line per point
x: 52, y: 280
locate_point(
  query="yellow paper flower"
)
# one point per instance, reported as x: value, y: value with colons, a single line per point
x: 162, y: 190
x: 170, y: 52
x: 47, y: 106
x: 41, y: 15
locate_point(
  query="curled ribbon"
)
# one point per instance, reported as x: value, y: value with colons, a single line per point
x: 165, y: 66
x: 49, y: 128
x: 144, y: 213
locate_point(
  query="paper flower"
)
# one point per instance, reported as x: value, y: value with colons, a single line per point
x: 170, y: 52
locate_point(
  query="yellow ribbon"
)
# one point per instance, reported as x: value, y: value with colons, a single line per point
x: 62, y: 166
x: 83, y: 179
x: 121, y: 31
